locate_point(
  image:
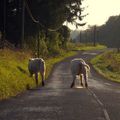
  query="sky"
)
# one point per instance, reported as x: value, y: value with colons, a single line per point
x: 99, y: 11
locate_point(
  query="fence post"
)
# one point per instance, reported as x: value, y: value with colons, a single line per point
x: 23, y: 20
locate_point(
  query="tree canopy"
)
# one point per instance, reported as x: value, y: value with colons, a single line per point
x: 53, y: 13
x: 50, y: 14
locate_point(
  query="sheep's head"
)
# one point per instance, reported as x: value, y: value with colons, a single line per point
x: 31, y: 59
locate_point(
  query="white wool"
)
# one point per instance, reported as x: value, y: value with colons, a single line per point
x: 78, y: 66
x: 36, y: 65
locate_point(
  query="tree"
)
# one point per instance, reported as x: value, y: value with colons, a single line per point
x: 51, y: 16
x: 39, y: 15
x: 111, y: 31
x: 64, y: 35
x: 10, y: 14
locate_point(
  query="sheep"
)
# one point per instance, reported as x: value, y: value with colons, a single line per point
x: 35, y: 66
x: 79, y: 67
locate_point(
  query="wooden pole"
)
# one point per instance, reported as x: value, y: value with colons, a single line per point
x: 94, y: 36
x: 23, y: 20
x: 38, y: 51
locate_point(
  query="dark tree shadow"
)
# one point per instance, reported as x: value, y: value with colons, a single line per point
x: 27, y: 87
x: 22, y: 70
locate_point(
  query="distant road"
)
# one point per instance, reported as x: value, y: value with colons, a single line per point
x: 57, y: 101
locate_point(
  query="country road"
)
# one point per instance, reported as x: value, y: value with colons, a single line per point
x: 57, y: 101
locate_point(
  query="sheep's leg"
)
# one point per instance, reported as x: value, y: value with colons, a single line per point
x: 85, y: 78
x: 73, y: 83
x: 36, y: 78
x: 42, y: 76
x: 81, y: 80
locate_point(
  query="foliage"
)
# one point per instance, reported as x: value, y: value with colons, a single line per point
x: 107, y: 34
x: 30, y: 43
x: 43, y: 48
x: 47, y: 12
x: 53, y: 43
x: 111, y: 31
x: 64, y: 35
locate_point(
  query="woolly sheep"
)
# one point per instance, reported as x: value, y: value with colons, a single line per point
x: 35, y: 66
x: 79, y: 67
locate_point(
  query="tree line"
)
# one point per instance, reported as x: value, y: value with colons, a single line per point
x: 108, y: 33
x: 43, y: 19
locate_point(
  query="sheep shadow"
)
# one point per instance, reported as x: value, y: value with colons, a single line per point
x: 24, y: 72
x: 28, y: 87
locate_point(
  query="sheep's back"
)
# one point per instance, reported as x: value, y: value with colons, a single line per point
x: 75, y: 67
x: 36, y: 65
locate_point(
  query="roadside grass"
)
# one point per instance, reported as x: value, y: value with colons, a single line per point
x: 85, y: 47
x: 108, y: 65
x: 14, y: 75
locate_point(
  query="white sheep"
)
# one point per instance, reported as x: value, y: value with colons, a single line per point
x: 35, y: 66
x: 79, y: 67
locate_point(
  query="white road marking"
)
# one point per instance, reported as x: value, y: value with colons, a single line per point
x: 101, y: 104
x: 87, y: 53
x: 106, y: 114
x: 107, y: 83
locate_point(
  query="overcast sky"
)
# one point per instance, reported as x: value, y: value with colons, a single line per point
x: 99, y: 11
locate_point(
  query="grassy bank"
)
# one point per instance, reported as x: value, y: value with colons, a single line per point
x: 108, y: 64
x: 14, y: 75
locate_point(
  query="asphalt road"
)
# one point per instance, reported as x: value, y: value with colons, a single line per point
x: 57, y: 101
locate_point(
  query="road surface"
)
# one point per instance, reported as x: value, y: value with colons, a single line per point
x: 57, y: 101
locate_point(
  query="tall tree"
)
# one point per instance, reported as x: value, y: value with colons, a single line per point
x: 51, y: 16
x: 39, y: 14
x: 65, y: 35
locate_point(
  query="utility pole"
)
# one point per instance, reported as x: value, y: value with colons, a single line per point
x: 38, y: 51
x: 4, y: 25
x: 97, y: 36
x: 80, y: 39
x: 94, y: 36
x: 23, y: 20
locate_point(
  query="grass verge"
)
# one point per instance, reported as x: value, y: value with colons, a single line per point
x: 108, y: 65
x: 14, y: 75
